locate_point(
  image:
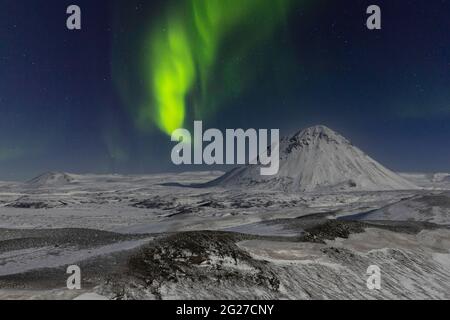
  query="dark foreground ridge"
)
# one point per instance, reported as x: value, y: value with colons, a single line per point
x: 210, y: 264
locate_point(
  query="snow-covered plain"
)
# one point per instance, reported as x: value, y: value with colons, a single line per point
x: 142, y: 205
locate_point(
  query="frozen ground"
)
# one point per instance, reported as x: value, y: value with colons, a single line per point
x: 140, y: 204
x: 134, y: 238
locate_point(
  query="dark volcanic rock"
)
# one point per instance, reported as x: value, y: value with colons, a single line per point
x: 209, y: 257
x: 155, y: 203
x: 26, y: 203
x: 331, y: 230
x: 11, y: 240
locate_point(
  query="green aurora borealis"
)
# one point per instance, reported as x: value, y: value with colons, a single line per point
x: 186, y: 66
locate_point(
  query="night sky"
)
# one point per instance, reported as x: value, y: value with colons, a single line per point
x: 97, y: 100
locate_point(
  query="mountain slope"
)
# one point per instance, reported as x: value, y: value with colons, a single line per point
x: 51, y: 179
x: 319, y: 159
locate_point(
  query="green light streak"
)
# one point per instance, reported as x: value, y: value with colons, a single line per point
x: 182, y: 51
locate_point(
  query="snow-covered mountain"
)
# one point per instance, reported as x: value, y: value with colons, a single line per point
x: 51, y: 179
x: 319, y: 159
x: 434, y: 181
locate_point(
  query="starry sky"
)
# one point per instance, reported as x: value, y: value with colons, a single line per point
x: 104, y: 99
